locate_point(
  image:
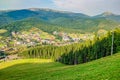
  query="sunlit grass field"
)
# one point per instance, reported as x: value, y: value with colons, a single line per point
x: 107, y: 68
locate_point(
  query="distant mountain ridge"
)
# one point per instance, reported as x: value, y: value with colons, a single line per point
x: 109, y: 15
x: 48, y: 14
x: 26, y: 18
x: 45, y: 14
x: 105, y: 14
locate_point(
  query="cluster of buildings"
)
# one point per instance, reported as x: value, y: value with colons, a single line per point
x: 67, y: 38
x: 34, y: 38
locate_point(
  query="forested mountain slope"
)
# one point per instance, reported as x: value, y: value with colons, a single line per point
x: 29, y: 23
x: 60, y: 19
x: 65, y: 25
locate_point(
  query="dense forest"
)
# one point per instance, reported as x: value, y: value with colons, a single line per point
x: 78, y: 52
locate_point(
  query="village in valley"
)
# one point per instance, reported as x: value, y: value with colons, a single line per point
x: 36, y: 37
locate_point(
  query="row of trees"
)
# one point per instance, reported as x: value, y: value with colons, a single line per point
x: 79, y: 52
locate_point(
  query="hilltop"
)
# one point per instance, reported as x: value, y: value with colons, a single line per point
x: 109, y: 15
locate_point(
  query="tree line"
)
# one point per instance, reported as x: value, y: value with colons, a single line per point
x: 78, y: 52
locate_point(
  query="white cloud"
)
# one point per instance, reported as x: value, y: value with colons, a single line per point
x: 90, y: 7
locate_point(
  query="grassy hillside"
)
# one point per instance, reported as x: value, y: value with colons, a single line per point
x: 107, y: 68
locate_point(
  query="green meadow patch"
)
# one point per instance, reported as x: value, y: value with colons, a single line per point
x: 107, y: 68
x: 2, y: 31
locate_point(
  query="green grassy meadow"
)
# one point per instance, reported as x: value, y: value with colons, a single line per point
x: 107, y: 68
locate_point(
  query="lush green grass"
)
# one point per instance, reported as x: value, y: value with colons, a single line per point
x: 2, y: 31
x: 107, y: 68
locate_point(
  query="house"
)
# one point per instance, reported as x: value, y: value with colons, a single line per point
x: 55, y: 33
x: 13, y: 57
x: 46, y: 41
x: 65, y: 38
x: 75, y: 39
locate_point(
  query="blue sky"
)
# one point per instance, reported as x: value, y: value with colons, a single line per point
x: 89, y: 7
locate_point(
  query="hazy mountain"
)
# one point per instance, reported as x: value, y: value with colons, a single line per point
x: 109, y: 15
x: 106, y: 14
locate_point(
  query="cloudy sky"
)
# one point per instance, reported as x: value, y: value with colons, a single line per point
x: 89, y: 7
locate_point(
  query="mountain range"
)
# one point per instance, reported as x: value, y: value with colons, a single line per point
x: 56, y: 20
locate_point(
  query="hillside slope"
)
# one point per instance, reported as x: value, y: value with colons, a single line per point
x: 107, y: 68
x: 72, y: 26
x: 76, y: 21
x: 24, y: 25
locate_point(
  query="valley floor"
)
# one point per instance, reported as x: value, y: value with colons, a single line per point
x: 107, y: 68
